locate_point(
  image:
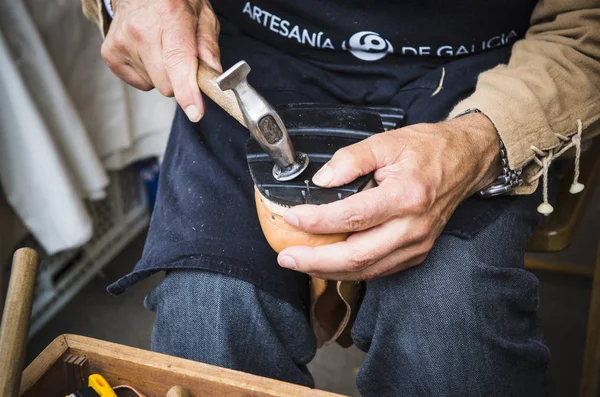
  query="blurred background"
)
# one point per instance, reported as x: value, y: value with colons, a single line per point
x: 79, y: 163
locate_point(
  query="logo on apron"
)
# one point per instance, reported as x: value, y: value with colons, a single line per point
x: 368, y: 46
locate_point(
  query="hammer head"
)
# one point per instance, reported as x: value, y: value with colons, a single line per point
x: 235, y: 75
x: 264, y: 123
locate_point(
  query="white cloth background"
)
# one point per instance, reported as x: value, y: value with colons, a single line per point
x: 65, y: 119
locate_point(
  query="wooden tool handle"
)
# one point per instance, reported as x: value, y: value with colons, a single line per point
x: 15, y: 320
x: 178, y: 391
x: 207, y: 81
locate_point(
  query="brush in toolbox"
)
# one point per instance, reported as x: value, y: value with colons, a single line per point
x: 290, y: 145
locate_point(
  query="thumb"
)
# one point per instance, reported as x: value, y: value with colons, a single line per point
x: 347, y: 164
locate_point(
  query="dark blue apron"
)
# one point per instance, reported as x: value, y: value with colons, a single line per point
x: 205, y: 217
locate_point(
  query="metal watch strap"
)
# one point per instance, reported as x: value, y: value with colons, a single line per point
x: 509, y: 179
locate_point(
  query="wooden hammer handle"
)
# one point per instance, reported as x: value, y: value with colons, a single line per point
x: 178, y: 391
x: 207, y: 81
x: 15, y: 320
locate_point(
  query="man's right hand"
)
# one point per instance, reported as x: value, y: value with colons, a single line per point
x: 154, y: 43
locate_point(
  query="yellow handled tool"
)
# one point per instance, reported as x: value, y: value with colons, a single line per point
x: 101, y: 386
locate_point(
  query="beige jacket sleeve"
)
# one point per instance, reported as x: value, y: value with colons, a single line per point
x: 94, y: 11
x: 551, y: 81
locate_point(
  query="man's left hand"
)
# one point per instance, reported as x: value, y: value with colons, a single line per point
x: 423, y: 172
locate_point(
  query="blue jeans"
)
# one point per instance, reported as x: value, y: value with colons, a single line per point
x: 463, y: 323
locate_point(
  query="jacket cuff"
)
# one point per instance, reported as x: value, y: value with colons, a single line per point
x: 520, y: 122
x: 519, y: 128
x: 96, y: 12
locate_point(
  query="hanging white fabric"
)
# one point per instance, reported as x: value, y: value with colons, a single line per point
x: 36, y: 180
x: 64, y: 119
x: 123, y: 123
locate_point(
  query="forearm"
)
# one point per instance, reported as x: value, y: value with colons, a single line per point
x: 551, y: 81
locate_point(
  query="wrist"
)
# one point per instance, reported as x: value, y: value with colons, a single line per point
x: 481, y: 145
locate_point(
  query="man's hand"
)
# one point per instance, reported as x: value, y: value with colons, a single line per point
x: 423, y: 172
x: 157, y: 44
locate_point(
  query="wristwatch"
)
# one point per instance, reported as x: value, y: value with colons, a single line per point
x: 509, y: 179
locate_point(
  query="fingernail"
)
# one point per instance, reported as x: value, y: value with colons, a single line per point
x: 291, y: 219
x: 193, y: 113
x: 288, y: 262
x: 324, y: 177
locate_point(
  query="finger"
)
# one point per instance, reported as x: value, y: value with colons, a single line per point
x: 113, y: 51
x: 397, y: 261
x: 181, y: 62
x: 401, y: 266
x: 207, y: 37
x: 131, y: 76
x: 135, y: 61
x: 361, y: 211
x: 155, y: 67
x: 353, y: 255
x: 349, y: 163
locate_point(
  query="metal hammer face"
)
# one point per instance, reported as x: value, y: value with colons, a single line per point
x: 264, y: 123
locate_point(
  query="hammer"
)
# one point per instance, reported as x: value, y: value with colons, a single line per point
x: 232, y: 93
x: 257, y: 115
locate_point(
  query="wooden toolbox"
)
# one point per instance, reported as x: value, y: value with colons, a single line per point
x: 65, y: 364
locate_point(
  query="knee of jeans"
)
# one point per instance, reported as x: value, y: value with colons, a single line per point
x: 196, y: 309
x: 192, y: 291
x: 453, y: 291
x: 223, y: 320
x: 203, y: 307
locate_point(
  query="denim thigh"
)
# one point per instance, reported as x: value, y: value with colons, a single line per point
x: 228, y: 322
x: 463, y: 323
